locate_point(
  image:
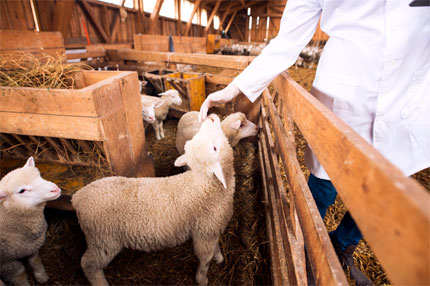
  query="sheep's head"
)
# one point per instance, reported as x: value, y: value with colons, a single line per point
x: 173, y: 94
x: 205, y: 151
x: 148, y: 109
x: 25, y: 188
x: 236, y: 126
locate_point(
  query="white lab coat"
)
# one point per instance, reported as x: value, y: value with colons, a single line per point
x: 373, y: 73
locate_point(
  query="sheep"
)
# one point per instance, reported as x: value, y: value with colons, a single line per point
x: 23, y: 195
x: 149, y: 103
x: 235, y: 127
x: 154, y: 213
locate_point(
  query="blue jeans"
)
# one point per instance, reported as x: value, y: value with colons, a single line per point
x: 324, y: 193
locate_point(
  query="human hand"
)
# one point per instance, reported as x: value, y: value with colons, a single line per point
x: 219, y: 97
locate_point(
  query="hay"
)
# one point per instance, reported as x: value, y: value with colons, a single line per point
x: 23, y: 69
x: 243, y: 244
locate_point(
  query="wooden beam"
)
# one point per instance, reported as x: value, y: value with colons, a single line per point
x: 196, y: 6
x: 391, y: 209
x: 218, y: 2
x: 154, y: 16
x: 242, y: 38
x: 178, y: 16
x: 221, y: 22
x: 231, y: 21
x: 98, y: 27
x: 62, y: 15
x: 243, y: 4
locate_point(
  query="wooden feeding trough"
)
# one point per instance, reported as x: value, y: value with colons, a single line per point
x: 102, y: 114
x: 191, y: 86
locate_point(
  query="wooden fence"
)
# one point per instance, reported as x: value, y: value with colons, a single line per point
x: 392, y: 210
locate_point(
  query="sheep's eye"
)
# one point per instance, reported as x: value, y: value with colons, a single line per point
x: 214, y: 148
x: 22, y: 191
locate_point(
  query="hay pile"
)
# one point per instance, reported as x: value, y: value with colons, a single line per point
x: 23, y: 69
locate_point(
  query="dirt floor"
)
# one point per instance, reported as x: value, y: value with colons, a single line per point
x: 243, y: 244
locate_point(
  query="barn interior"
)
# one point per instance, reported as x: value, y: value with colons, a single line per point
x: 71, y: 75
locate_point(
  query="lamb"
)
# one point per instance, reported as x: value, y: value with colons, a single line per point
x: 146, y: 214
x: 235, y: 127
x: 23, y: 195
x: 151, y: 103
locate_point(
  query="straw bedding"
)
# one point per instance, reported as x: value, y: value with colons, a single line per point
x: 244, y: 243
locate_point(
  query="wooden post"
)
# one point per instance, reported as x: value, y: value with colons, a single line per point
x: 218, y: 2
x: 98, y: 27
x: 221, y: 22
x: 178, y: 17
x: 196, y: 6
x: 154, y: 16
x: 231, y: 21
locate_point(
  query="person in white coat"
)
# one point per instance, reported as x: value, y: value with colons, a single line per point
x: 373, y: 74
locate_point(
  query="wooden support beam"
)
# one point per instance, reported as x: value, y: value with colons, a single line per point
x: 231, y: 21
x: 221, y: 22
x: 90, y: 15
x: 243, y: 4
x: 242, y: 38
x: 178, y: 16
x: 154, y: 16
x: 196, y: 6
x: 218, y: 2
x: 62, y: 15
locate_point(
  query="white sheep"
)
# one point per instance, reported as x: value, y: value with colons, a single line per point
x: 161, y: 107
x: 23, y: 195
x: 235, y: 126
x: 154, y: 213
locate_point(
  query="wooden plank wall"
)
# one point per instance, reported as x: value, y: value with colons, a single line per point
x: 16, y: 15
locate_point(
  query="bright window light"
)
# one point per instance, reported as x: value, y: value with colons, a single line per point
x: 267, y: 28
x: 187, y: 8
x: 168, y: 9
x: 128, y: 3
x: 216, y: 22
x: 250, y: 23
x: 258, y: 21
x: 204, y: 17
x: 148, y: 5
x: 249, y: 11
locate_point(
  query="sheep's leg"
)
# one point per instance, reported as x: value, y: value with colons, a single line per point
x: 93, y: 261
x: 205, y: 250
x: 156, y: 127
x: 161, y: 129
x: 14, y: 273
x: 218, y: 255
x: 38, y: 268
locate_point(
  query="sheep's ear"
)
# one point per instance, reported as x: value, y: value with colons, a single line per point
x: 158, y: 103
x: 3, y: 195
x: 236, y: 124
x: 181, y: 161
x: 217, y: 169
x: 30, y: 162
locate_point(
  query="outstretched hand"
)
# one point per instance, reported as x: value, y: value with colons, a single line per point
x: 219, y: 97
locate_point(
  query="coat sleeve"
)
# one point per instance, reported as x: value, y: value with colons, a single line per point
x: 298, y: 24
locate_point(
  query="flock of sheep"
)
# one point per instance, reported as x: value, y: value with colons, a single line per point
x: 139, y: 213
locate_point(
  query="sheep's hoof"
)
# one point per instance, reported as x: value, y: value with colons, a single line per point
x: 218, y: 258
x: 202, y: 280
x: 41, y: 277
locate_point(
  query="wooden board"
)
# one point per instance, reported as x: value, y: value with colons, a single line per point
x: 72, y: 127
x: 51, y: 43
x: 160, y: 43
x: 231, y: 62
x: 391, y: 210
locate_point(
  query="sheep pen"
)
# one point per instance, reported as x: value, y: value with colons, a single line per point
x: 244, y: 243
